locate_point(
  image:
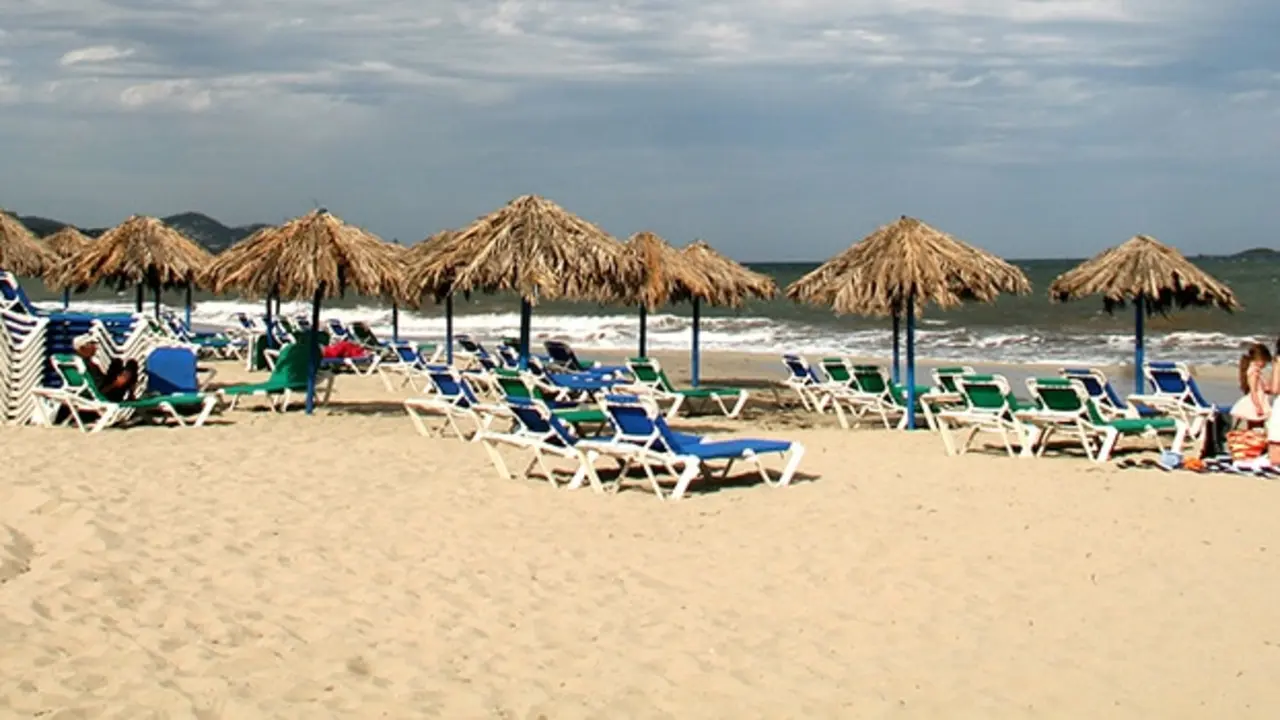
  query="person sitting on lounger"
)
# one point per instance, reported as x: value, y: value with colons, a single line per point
x: 117, y: 382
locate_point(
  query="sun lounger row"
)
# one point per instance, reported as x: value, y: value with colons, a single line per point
x: 555, y: 423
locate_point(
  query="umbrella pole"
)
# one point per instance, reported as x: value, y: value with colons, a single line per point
x: 66, y: 298
x: 911, y: 362
x: 395, y: 322
x: 644, y: 334
x: 137, y: 298
x: 897, y: 360
x: 526, y: 319
x: 270, y: 335
x: 448, y: 329
x: 313, y: 351
x: 1139, y: 312
x: 187, y: 317
x: 157, y: 303
x: 696, y: 360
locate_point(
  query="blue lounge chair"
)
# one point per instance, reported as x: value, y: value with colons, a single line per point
x: 538, y: 429
x: 642, y: 437
x: 1175, y: 392
x: 804, y: 380
x: 561, y: 355
x: 453, y: 398
x: 1105, y: 397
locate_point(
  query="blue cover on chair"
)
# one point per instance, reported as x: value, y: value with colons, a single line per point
x: 171, y: 371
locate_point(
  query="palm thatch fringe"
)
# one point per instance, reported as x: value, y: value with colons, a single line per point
x: 20, y: 252
x: 140, y: 251
x: 533, y: 247
x: 667, y: 273
x: 907, y: 259
x: 1143, y: 267
x: 314, y: 252
x: 727, y: 283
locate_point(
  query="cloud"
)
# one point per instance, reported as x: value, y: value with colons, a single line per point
x: 94, y: 54
x: 614, y: 101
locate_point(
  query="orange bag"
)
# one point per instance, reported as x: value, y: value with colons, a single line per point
x: 1246, y: 444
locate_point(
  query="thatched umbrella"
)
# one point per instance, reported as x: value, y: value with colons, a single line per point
x: 1153, y: 276
x: 142, y: 251
x: 667, y: 274
x: 900, y: 268
x: 725, y: 283
x: 65, y: 244
x: 313, y: 256
x: 20, y: 252
x: 533, y: 247
x: 420, y: 277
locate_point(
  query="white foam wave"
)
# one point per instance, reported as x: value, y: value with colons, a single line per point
x: 620, y: 331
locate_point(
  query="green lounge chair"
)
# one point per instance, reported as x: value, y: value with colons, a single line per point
x: 1066, y: 403
x: 890, y: 399
x: 289, y: 376
x: 515, y: 385
x: 652, y: 379
x: 989, y: 406
x: 81, y: 396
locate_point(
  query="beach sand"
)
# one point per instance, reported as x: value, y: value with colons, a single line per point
x: 340, y: 565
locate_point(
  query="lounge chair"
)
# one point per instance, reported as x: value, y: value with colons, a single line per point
x: 407, y: 360
x: 523, y: 386
x: 176, y: 370
x: 1175, y: 392
x: 288, y: 377
x: 803, y: 379
x: 1108, y: 400
x: 642, y: 437
x: 889, y: 400
x: 453, y: 399
x: 540, y: 430
x: 561, y: 356
x: 652, y: 379
x: 81, y: 396
x: 339, y: 331
x: 944, y: 378
x: 990, y: 407
x: 1066, y: 404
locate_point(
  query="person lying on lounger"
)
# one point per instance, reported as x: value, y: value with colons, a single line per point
x: 117, y: 382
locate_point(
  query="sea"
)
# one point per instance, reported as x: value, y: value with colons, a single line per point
x: 1021, y: 329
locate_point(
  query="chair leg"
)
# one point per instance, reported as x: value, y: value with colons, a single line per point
x: 1109, y: 438
x: 692, y: 468
x: 737, y: 407
x: 496, y: 458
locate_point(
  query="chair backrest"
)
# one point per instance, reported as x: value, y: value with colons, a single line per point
x: 535, y: 418
x: 513, y: 386
x: 292, y: 365
x: 1173, y: 380
x: 837, y: 370
x: 337, y: 328
x: 635, y: 420
x: 172, y: 370
x: 800, y: 369
x: 75, y: 377
x: 452, y: 385
x: 362, y: 332
x: 469, y: 344
x: 871, y: 379
x: 945, y: 377
x: 14, y: 297
x: 405, y: 352
x: 562, y: 354
x: 985, y: 393
x: 1060, y: 395
x: 510, y: 356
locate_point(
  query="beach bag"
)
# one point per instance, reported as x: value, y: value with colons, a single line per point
x: 1246, y: 444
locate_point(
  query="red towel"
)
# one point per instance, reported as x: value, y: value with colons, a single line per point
x: 343, y: 349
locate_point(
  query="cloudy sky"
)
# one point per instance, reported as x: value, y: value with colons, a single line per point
x: 775, y: 129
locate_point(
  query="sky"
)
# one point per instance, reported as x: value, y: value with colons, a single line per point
x: 773, y: 129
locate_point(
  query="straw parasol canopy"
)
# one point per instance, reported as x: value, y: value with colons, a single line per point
x: 20, y: 252
x: 67, y: 242
x: 667, y: 273
x: 421, y: 278
x: 1145, y: 268
x: 728, y: 283
x: 907, y: 260
x: 533, y: 247
x: 315, y: 254
x: 140, y: 251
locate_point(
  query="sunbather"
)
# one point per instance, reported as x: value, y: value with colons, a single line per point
x: 118, y: 381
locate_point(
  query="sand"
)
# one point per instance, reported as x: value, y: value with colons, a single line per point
x: 342, y: 566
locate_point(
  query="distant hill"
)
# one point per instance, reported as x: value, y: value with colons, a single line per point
x: 204, y: 230
x: 1259, y: 253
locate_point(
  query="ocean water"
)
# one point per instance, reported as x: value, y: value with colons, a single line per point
x: 1014, y: 329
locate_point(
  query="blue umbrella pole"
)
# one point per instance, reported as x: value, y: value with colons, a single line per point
x: 66, y: 298
x: 911, y: 362
x: 526, y: 319
x: 696, y: 359
x: 644, y: 331
x: 1139, y: 317
x: 448, y: 329
x: 395, y: 322
x: 897, y: 360
x: 187, y: 316
x: 313, y: 363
